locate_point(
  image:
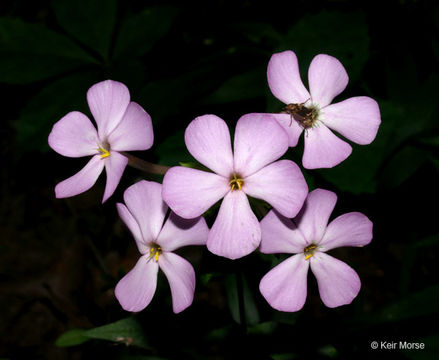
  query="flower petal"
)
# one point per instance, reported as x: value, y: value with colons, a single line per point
x: 134, y: 131
x: 144, y: 201
x: 314, y: 216
x: 281, y: 184
x: 178, y: 232
x: 327, y: 78
x: 285, y: 286
x: 133, y: 226
x: 357, y: 119
x: 114, y: 166
x: 259, y: 140
x: 284, y: 78
x: 236, y: 231
x: 338, y: 283
x: 351, y: 229
x: 280, y: 235
x: 108, y: 101
x: 323, y: 149
x: 181, y: 277
x: 81, y: 181
x: 190, y: 192
x: 136, y: 289
x: 74, y: 136
x: 208, y: 140
x: 291, y: 127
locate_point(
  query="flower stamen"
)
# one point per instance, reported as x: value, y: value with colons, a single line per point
x: 154, y: 252
x: 104, y: 152
x: 309, y: 251
x: 236, y: 182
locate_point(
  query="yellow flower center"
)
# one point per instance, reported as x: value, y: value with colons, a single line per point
x: 236, y: 182
x: 309, y: 251
x: 154, y: 252
x: 104, y: 152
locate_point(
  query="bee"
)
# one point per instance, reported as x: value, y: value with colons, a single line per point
x: 303, y: 115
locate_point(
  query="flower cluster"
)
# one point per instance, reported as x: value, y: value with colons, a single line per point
x: 163, y: 218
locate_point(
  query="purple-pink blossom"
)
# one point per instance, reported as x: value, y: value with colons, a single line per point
x: 309, y: 237
x: 121, y: 126
x: 144, y: 215
x: 250, y: 169
x: 356, y: 118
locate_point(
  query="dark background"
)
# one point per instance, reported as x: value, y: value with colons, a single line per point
x: 61, y: 259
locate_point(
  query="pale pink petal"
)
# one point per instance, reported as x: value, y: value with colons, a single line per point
x: 178, y: 232
x: 291, y: 127
x: 114, y: 166
x: 74, y: 136
x: 134, y: 131
x: 338, y: 283
x: 285, y: 286
x: 284, y: 78
x: 259, y: 140
x: 190, y: 192
x: 108, y: 101
x: 144, y: 201
x: 327, y: 78
x: 281, y: 184
x: 208, y: 140
x: 133, y: 226
x: 136, y: 289
x: 236, y: 231
x: 181, y: 277
x: 351, y: 229
x: 280, y: 235
x: 357, y: 119
x: 323, y: 149
x: 314, y: 216
x: 81, y: 181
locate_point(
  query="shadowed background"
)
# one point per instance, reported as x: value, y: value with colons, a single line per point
x: 61, y: 259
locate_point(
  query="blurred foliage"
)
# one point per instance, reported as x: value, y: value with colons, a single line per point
x: 60, y: 259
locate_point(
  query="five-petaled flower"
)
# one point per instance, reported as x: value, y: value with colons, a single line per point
x: 356, y: 118
x: 122, y: 126
x: 285, y: 286
x: 249, y: 170
x: 144, y: 215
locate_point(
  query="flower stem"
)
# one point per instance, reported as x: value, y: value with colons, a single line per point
x: 146, y: 166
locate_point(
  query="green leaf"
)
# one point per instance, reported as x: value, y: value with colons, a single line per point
x: 429, y: 352
x: 343, y: 35
x: 47, y: 107
x: 250, y: 309
x: 402, y: 166
x: 265, y: 328
x: 127, y: 331
x: 90, y: 22
x: 422, y: 303
x: 31, y: 52
x: 328, y: 351
x: 138, y: 33
x: 72, y: 337
x: 244, y: 86
x: 172, y: 151
x: 257, y: 32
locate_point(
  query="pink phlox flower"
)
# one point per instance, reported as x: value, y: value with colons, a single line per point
x: 122, y: 126
x: 309, y: 237
x: 250, y: 170
x: 356, y: 118
x: 144, y: 214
